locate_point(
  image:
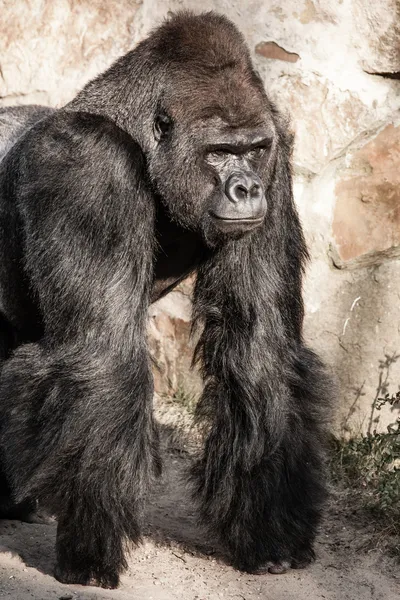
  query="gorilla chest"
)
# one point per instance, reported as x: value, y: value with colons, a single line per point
x: 178, y: 254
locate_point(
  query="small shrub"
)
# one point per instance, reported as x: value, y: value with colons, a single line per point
x: 370, y: 467
x: 185, y: 398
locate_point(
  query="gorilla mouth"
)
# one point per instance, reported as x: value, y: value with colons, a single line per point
x: 236, y: 224
x: 238, y: 219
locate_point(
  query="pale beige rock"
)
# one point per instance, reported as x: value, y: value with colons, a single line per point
x: 324, y: 121
x: 172, y: 346
x: 353, y: 321
x: 49, y: 50
x: 352, y: 314
x: 366, y: 223
x: 378, y: 35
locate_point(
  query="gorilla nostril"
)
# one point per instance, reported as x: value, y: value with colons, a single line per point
x: 255, y: 190
x: 240, y: 192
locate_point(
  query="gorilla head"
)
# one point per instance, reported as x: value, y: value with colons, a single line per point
x: 202, y: 118
x: 213, y: 130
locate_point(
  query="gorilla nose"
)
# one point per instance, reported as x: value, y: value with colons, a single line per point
x: 241, y: 206
x: 243, y: 186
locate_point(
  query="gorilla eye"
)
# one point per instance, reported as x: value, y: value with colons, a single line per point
x: 257, y: 153
x: 162, y: 126
x: 216, y: 155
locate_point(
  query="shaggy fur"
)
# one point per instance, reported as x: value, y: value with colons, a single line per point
x: 261, y: 478
x: 99, y: 216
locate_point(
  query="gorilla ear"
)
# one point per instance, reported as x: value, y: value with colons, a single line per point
x: 162, y: 126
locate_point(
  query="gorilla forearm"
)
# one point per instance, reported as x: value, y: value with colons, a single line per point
x: 81, y: 429
x: 260, y: 480
x: 66, y: 395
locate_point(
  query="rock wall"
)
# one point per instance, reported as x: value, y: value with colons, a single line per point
x: 334, y: 67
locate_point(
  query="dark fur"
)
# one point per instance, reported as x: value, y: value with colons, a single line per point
x: 261, y: 478
x: 86, y: 203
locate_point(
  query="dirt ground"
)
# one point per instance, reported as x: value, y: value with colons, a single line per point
x: 178, y: 562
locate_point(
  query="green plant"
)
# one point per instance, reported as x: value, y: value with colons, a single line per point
x: 185, y: 398
x: 370, y: 467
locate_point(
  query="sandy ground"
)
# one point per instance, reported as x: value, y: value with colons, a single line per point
x: 178, y: 562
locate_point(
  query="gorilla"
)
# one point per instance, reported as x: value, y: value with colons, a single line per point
x: 173, y: 161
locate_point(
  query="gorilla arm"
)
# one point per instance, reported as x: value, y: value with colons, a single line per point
x: 77, y: 429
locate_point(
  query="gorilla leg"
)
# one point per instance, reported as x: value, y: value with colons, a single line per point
x: 260, y: 480
x: 78, y: 434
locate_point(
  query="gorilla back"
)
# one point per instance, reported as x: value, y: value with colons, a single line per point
x: 172, y: 161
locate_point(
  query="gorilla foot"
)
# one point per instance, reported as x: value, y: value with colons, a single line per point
x: 278, y: 567
x: 108, y: 580
x: 300, y: 559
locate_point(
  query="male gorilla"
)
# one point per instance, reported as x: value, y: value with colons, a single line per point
x: 172, y: 161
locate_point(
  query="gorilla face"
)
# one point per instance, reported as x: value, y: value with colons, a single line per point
x: 238, y: 203
x: 212, y: 155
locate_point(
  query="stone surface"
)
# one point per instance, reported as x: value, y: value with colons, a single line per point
x: 324, y: 121
x: 378, y: 39
x: 366, y: 222
x: 274, y: 51
x: 171, y: 345
x: 352, y: 320
x: 49, y: 50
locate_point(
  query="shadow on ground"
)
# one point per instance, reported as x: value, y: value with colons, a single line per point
x: 177, y: 560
